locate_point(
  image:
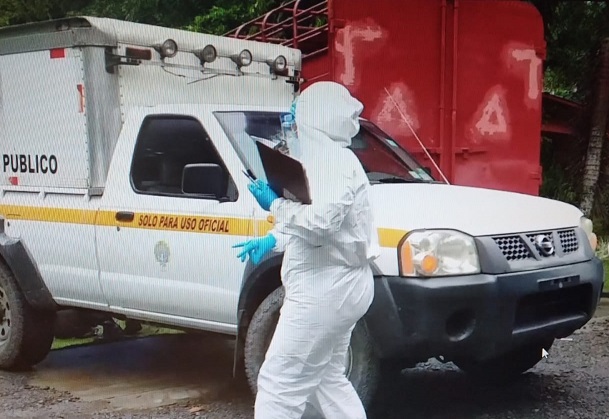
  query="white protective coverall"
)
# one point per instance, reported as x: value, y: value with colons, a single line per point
x: 326, y: 269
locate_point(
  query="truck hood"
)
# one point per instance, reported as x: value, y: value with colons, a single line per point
x: 474, y: 211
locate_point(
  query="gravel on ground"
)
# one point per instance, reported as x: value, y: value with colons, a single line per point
x: 573, y: 383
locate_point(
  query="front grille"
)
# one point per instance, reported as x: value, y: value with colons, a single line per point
x: 513, y: 248
x: 568, y: 241
x: 532, y: 237
x: 519, y: 247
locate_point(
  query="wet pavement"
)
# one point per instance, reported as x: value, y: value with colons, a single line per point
x: 142, y: 373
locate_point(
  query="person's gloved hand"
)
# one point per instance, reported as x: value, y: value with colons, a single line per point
x: 256, y: 248
x: 263, y: 194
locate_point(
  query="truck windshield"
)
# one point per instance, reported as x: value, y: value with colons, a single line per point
x: 383, y: 159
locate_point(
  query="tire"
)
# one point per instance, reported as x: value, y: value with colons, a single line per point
x: 505, y: 368
x: 26, y: 335
x: 364, y: 366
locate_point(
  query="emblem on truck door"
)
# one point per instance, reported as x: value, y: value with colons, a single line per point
x: 544, y: 244
x: 161, y: 253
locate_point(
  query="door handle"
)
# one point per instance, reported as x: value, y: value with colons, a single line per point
x: 125, y: 216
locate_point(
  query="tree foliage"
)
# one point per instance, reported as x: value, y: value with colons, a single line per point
x: 574, y: 30
x: 210, y: 16
x: 228, y: 14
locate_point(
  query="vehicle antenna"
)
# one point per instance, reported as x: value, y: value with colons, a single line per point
x: 416, y: 136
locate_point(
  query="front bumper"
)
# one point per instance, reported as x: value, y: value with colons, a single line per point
x: 481, y: 316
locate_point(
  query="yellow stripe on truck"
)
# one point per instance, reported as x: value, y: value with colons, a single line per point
x: 389, y: 237
x: 48, y: 214
x: 184, y: 223
x: 169, y: 222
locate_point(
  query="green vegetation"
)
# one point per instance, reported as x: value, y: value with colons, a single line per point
x: 147, y: 330
x: 603, y: 253
x: 210, y: 16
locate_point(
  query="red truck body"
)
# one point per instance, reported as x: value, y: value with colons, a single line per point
x: 465, y: 74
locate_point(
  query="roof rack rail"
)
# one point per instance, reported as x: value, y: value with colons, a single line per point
x: 300, y: 24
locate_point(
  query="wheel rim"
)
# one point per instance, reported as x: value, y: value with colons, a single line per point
x: 5, y: 317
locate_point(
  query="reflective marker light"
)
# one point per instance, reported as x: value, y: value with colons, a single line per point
x: 243, y: 59
x: 588, y: 227
x: 58, y: 53
x: 138, y: 53
x: 207, y: 54
x: 167, y: 49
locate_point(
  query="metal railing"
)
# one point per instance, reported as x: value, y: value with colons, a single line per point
x: 290, y: 25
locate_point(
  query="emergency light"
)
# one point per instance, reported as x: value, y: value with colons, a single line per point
x: 207, y: 54
x: 167, y: 49
x: 279, y: 65
x: 243, y: 59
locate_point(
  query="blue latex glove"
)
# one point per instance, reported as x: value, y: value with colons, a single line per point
x: 263, y: 194
x: 256, y: 248
x: 293, y: 109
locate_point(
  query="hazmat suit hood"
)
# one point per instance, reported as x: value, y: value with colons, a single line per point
x: 328, y: 108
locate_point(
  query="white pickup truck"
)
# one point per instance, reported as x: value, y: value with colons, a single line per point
x: 122, y: 149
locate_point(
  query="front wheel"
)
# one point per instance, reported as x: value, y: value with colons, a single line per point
x: 504, y: 368
x: 26, y: 335
x: 362, y: 366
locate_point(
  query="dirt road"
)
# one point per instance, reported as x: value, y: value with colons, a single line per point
x: 184, y: 376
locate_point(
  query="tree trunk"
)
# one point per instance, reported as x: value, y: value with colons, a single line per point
x: 600, y: 115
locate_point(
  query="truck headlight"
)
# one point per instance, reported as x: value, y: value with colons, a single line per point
x: 587, y: 225
x: 431, y: 253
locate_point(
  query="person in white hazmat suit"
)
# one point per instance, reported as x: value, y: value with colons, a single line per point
x: 326, y: 269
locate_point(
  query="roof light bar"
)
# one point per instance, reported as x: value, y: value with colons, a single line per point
x: 209, y: 54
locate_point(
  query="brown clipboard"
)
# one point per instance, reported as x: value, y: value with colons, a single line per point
x: 285, y: 175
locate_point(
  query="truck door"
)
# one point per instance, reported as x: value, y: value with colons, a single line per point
x: 165, y: 254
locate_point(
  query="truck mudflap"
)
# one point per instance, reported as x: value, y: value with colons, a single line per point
x: 14, y: 253
x: 481, y: 316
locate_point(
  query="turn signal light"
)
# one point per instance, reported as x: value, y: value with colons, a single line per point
x: 406, y: 264
x: 429, y: 264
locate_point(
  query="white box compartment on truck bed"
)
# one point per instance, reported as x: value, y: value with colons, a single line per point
x: 63, y: 97
x: 44, y: 136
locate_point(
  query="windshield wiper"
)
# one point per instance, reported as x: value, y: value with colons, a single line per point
x: 380, y: 177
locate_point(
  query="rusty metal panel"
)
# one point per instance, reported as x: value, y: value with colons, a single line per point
x: 500, y: 52
x: 381, y: 45
x: 467, y: 75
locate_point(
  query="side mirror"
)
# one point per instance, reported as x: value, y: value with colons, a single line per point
x: 204, y: 179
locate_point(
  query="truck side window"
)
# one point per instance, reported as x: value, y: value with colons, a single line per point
x: 165, y: 145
